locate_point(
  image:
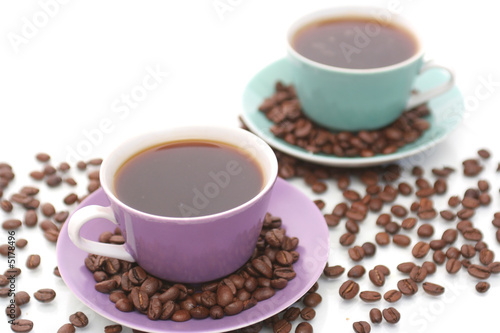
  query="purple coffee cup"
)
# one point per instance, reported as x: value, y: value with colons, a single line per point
x: 182, y: 249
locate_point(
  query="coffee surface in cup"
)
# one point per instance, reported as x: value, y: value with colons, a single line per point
x: 188, y: 178
x: 354, y: 42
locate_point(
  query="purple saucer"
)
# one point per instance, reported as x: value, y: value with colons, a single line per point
x: 301, y: 218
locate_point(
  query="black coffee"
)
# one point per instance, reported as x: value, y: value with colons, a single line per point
x: 188, y: 178
x: 355, y: 42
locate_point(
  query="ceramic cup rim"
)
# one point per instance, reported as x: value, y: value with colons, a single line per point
x: 362, y: 11
x: 262, y: 148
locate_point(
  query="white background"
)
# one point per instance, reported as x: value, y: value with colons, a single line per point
x: 62, y: 81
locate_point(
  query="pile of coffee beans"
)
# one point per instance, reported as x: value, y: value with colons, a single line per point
x: 133, y: 289
x: 290, y: 124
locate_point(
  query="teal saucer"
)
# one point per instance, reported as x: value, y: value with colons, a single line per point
x: 446, y: 114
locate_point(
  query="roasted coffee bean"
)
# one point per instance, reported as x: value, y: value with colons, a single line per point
x: 234, y: 308
x: 347, y: 239
x: 12, y: 272
x: 312, y: 300
x: 349, y: 289
x: 282, y: 326
x: 480, y: 245
x: 340, y: 209
x: 382, y: 269
x: 70, y: 199
x: 483, y: 185
x: 106, y: 286
x: 113, y: 329
x: 484, y: 199
x: 333, y: 271
x: 472, y: 234
x: 356, y: 271
x: 291, y: 314
x: 407, y: 287
x: 465, y: 224
x: 6, y: 206
x: 405, y: 188
x: 369, y: 249
x: 482, y: 287
x: 11, y: 224
x: 433, y: 289
x: 469, y: 202
x: 307, y: 313
x: 356, y: 253
x: 181, y: 315
x: 140, y: 299
x: 331, y: 220
x: 137, y: 275
x: 479, y: 272
x: 263, y: 293
x: 408, y: 223
x: 361, y: 327
x: 453, y: 265
x: 486, y: 256
x: 420, y: 249
x: 382, y: 238
x: 51, y: 235
x: 453, y: 253
x: 42, y: 157
x: 494, y: 267
x: 30, y: 218
x: 37, y: 175
x: 45, y: 295
x: 304, y: 327
x: 53, y: 180
x: 383, y: 219
x: 376, y: 277
x: 21, y: 298
x: 319, y: 203
x: 401, y: 240
x: 406, y: 267
x: 437, y: 244
x: 440, y: 186
x: 425, y: 192
x: 392, y: 227
x: 351, y: 195
x: 392, y: 295
x: 399, y: 211
x: 285, y: 272
x: 449, y: 236
x: 116, y: 295
x: 483, y: 153
x: 391, y: 315
x: 430, y: 267
x: 21, y: 325
x: 351, y: 226
x: 425, y: 230
x: 375, y: 316
x: 67, y: 328
x: 447, y: 215
x: 439, y: 257
x: 418, y: 274
x: 468, y: 251
x: 370, y: 296
x: 33, y: 261
x: 14, y: 312
x: 263, y: 268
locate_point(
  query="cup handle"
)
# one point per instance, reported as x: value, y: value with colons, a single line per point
x: 82, y: 216
x: 425, y: 96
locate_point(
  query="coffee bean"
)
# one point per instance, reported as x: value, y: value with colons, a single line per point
x: 430, y: 267
x: 375, y: 316
x: 6, y: 206
x: 483, y: 185
x: 304, y: 327
x: 383, y: 219
x: 361, y: 327
x: 408, y: 223
x: 53, y: 180
x: 66, y: 328
x: 33, y: 261
x: 356, y: 253
x: 392, y: 227
x: 234, y: 308
x: 433, y: 289
x: 312, y: 300
x: 405, y: 188
x: 21, y: 298
x: 482, y: 287
x: 480, y: 245
x: 61, y: 216
x: 453, y: 266
x: 425, y: 192
x: 263, y: 293
x: 356, y: 271
x: 37, y: 175
x: 399, y: 211
x: 472, y: 234
x: 331, y: 220
x: 453, y: 253
x: 113, y: 329
x: 418, y: 274
x: 30, y: 218
x: 333, y: 271
x: 70, y: 199
x: 369, y: 249
x: 494, y: 267
x: 391, y: 315
x: 351, y: 195
x: 106, y: 286
x: 479, y: 272
x: 351, y: 226
x: 382, y: 238
x: 407, y: 287
x: 392, y: 296
x: 370, y: 296
x: 401, y: 240
x: 449, y: 236
x: 349, y: 290
x: 11, y: 224
x: 486, y: 256
x: 425, y: 230
x: 291, y: 314
x: 124, y: 305
x: 319, y: 187
x: 483, y: 153
x: 45, y: 295
x: 282, y: 326
x: 21, y: 325
x: 14, y: 312
x: 420, y: 249
x: 376, y: 277
x: 448, y: 215
x: 406, y: 267
x: 307, y: 313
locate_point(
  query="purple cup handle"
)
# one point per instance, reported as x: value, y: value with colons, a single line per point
x: 82, y: 216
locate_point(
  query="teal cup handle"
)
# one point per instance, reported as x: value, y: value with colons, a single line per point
x: 344, y: 99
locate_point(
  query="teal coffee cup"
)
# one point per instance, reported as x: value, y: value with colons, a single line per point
x: 343, y: 98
